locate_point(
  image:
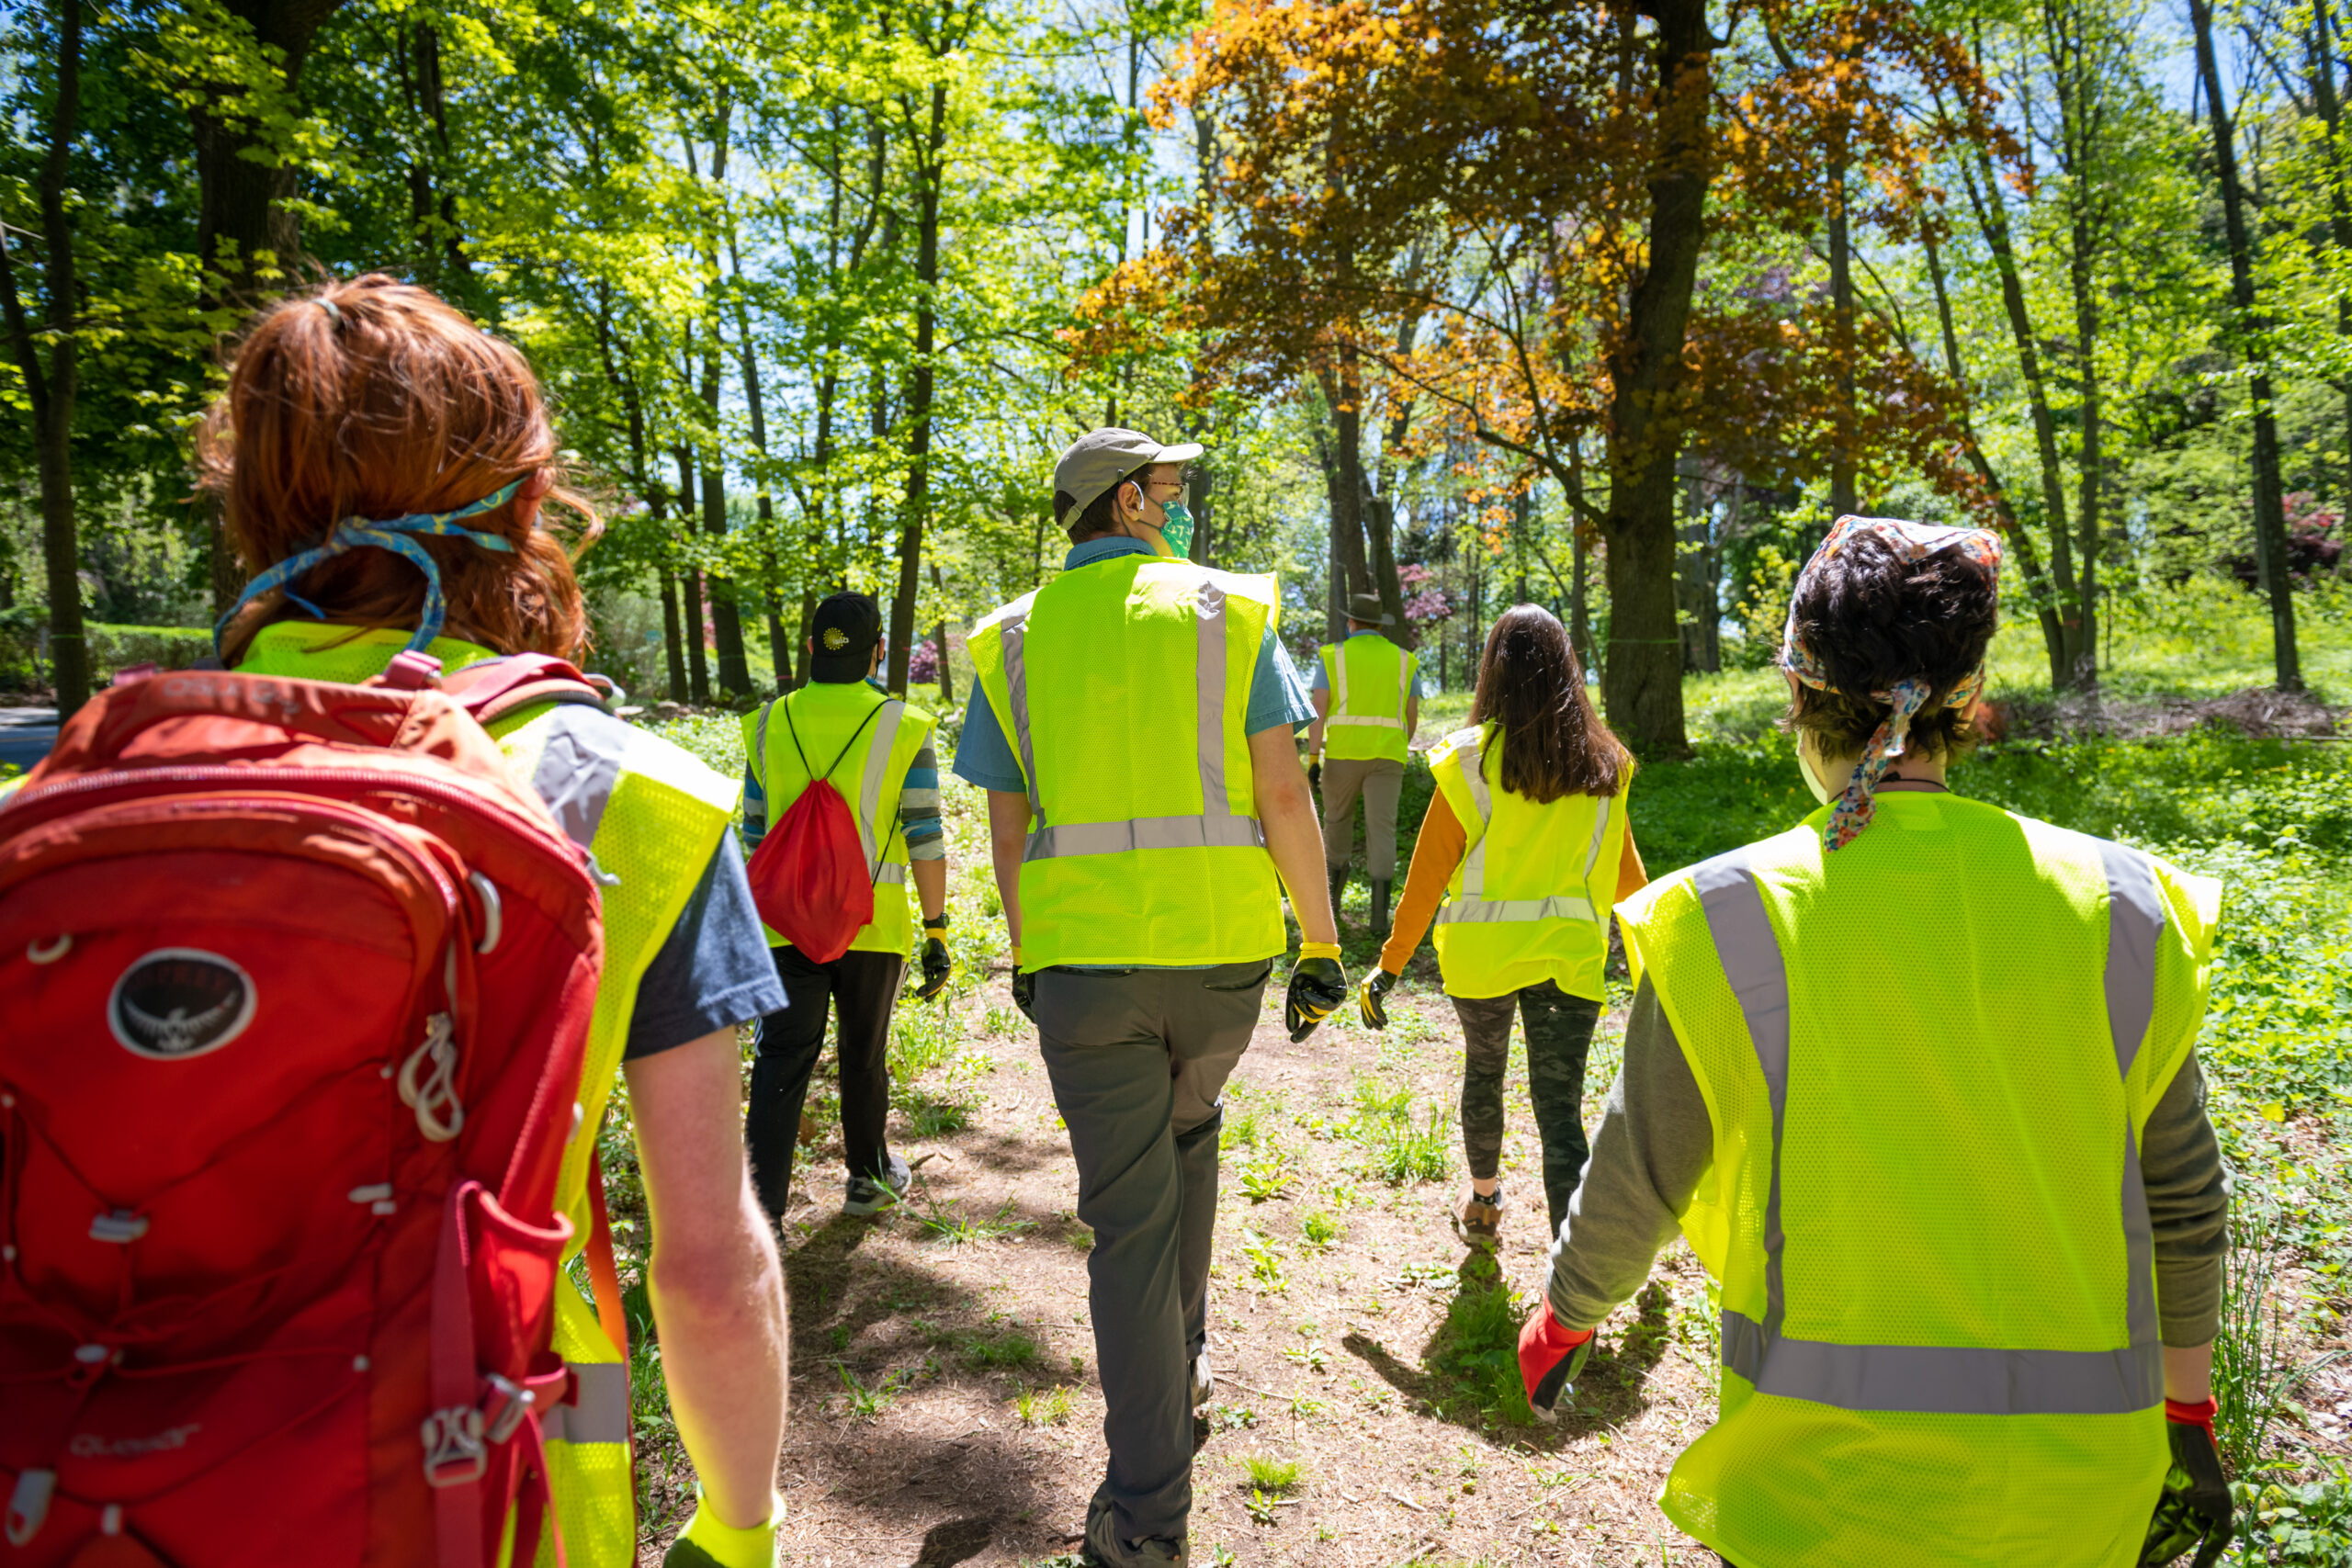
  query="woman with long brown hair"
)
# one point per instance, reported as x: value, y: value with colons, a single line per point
x: 1524, y: 849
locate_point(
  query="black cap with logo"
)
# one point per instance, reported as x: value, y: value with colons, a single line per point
x: 845, y: 629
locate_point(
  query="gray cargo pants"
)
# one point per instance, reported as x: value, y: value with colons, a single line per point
x: 1139, y: 1061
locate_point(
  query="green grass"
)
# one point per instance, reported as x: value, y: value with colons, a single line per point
x: 1272, y: 1474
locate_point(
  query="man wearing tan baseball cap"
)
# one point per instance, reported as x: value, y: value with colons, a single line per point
x: 1121, y: 481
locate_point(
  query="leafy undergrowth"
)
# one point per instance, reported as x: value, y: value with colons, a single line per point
x: 949, y: 1343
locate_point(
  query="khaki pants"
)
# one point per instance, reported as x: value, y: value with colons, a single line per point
x: 1378, y: 779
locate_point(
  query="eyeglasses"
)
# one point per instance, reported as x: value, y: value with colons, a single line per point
x: 1183, y: 477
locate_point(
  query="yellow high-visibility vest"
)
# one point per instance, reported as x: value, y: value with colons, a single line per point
x: 650, y: 816
x: 1928, y: 1059
x: 1530, y: 901
x: 1124, y: 687
x: 827, y: 715
x: 1371, y: 681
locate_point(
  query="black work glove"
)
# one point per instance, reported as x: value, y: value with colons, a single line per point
x: 1375, y: 987
x: 1024, y: 994
x: 1315, y: 772
x: 1317, y: 986
x: 936, y: 967
x: 2194, y: 1509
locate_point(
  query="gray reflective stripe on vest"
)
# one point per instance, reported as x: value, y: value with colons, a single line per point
x: 1144, y: 833
x: 1216, y: 826
x: 1471, y: 907
x: 579, y: 767
x: 600, y: 1411
x: 1930, y: 1379
x: 889, y: 871
x: 1013, y: 639
x: 1495, y: 911
x: 869, y: 794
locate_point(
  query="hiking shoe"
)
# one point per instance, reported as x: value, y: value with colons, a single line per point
x: 870, y: 1195
x: 1479, y: 1225
x: 1203, y: 1382
x: 1102, y: 1551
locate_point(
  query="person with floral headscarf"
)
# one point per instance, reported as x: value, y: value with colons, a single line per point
x: 1915, y: 1079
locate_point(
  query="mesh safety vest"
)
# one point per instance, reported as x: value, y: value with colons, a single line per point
x: 826, y: 715
x: 1928, y: 1059
x: 1530, y: 901
x: 650, y: 816
x: 1124, y: 686
x: 1371, y: 679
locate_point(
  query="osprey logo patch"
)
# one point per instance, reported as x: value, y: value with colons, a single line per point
x: 178, y: 1002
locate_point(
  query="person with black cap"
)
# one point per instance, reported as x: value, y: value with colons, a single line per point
x: 1134, y: 724
x: 1368, y: 701
x: 876, y: 749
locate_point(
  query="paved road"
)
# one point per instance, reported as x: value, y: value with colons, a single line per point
x: 25, y: 734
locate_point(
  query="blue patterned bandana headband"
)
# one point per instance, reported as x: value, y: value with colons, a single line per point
x: 1913, y: 542
x: 398, y: 534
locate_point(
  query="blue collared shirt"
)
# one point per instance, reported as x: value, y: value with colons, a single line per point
x: 1277, y: 696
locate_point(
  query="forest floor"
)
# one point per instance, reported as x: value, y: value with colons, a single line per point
x: 1367, y: 1411
x: 943, y: 1405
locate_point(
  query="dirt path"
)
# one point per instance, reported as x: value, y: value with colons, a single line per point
x: 944, y: 1402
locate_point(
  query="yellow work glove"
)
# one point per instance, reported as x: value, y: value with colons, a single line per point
x: 706, y: 1543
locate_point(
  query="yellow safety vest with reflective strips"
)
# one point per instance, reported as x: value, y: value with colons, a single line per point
x: 826, y: 716
x: 1530, y: 901
x: 1370, y: 678
x: 1928, y: 1059
x: 1124, y: 687
x: 650, y: 816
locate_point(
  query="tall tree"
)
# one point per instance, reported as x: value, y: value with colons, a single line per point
x: 53, y: 379
x: 2248, y: 332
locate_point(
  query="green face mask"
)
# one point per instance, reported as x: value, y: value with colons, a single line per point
x: 1178, y: 530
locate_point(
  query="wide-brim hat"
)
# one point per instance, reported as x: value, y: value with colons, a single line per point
x: 1100, y: 458
x: 1365, y: 607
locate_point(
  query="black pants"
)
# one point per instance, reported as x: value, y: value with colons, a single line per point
x: 863, y: 987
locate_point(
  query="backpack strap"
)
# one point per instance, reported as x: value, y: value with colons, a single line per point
x: 494, y: 688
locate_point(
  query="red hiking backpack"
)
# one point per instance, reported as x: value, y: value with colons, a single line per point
x: 296, y: 979
x: 809, y: 879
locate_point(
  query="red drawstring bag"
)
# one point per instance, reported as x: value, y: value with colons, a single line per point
x: 809, y: 878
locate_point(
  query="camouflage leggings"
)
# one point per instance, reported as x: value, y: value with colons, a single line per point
x: 1559, y: 1029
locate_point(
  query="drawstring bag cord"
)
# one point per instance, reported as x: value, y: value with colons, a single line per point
x: 397, y: 535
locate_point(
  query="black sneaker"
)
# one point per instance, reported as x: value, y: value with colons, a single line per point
x: 870, y: 1195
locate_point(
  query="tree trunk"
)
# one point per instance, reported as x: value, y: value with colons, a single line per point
x: 1697, y: 613
x: 1843, y: 498
x: 2269, y: 500
x: 1992, y: 220
x: 673, y: 639
x: 939, y: 645
x: 690, y: 583
x: 929, y: 172
x: 2330, y: 103
x: 1642, y: 681
x: 52, y: 389
x: 2020, y: 542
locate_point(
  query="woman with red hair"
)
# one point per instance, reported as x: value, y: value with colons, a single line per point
x: 388, y: 471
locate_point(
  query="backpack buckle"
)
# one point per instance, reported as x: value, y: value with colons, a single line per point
x: 503, y: 1407
x: 412, y: 671
x: 454, y: 1452
x: 458, y: 1436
